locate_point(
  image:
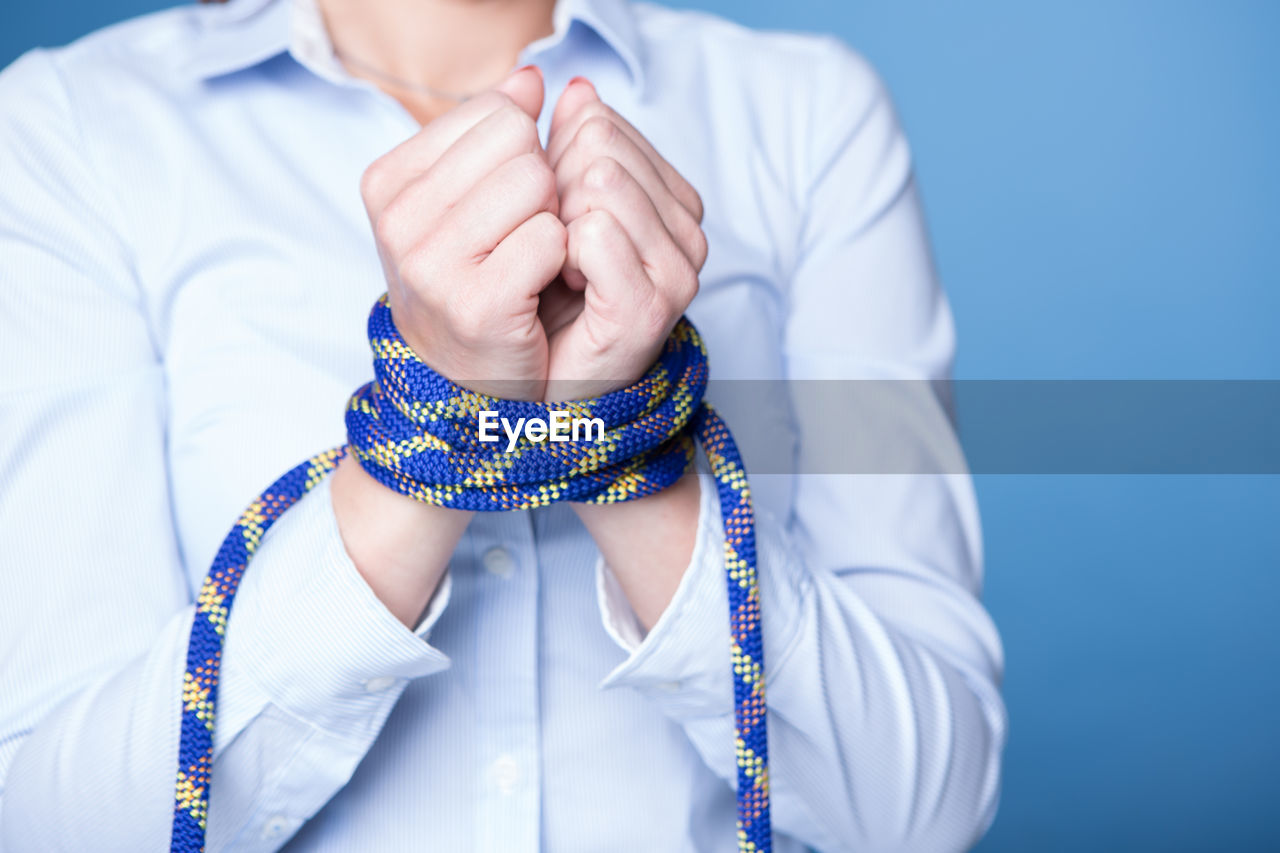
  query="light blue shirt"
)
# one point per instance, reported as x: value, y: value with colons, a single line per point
x: 185, y: 273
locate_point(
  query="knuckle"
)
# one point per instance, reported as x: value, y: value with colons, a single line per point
x: 532, y: 168
x: 387, y: 227
x: 688, y: 235
x: 550, y: 226
x: 603, y: 173
x: 594, y: 226
x: 681, y: 285
x: 597, y: 133
x: 384, y: 231
x: 695, y: 202
x: 550, y: 241
x: 515, y: 124
x: 491, y: 101
x: 372, y: 180
x: 527, y: 134
x: 696, y: 240
x: 596, y: 109
x: 507, y: 114
x: 394, y: 226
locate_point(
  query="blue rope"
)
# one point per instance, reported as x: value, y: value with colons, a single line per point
x: 418, y: 433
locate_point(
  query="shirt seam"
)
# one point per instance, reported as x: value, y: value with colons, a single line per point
x: 111, y: 214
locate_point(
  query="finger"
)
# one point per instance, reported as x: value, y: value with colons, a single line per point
x: 387, y: 175
x: 620, y: 291
x: 502, y: 135
x: 526, y: 88
x: 501, y: 201
x: 581, y: 108
x: 577, y: 93
x: 606, y: 185
x: 531, y: 255
x: 599, y: 138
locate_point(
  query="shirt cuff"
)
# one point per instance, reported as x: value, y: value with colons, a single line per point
x: 684, y: 663
x: 439, y: 599
x: 311, y: 635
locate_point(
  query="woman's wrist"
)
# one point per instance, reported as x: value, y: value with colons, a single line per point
x: 400, y: 546
x: 647, y: 543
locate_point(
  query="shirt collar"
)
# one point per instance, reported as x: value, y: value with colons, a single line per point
x: 244, y: 33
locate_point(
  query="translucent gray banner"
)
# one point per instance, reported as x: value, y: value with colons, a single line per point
x: 1004, y: 426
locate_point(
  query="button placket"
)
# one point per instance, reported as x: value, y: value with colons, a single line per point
x: 507, y: 707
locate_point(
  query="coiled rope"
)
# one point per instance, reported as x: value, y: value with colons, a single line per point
x: 418, y: 433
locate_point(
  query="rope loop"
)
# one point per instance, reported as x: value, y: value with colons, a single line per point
x: 417, y: 432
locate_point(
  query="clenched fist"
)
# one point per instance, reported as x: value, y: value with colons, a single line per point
x: 532, y: 274
x: 465, y: 218
x: 635, y: 248
x: 529, y: 274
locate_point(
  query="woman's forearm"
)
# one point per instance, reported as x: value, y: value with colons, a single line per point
x: 647, y: 543
x: 400, y: 545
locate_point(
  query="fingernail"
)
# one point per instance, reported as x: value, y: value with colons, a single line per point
x: 527, y: 68
x: 580, y: 79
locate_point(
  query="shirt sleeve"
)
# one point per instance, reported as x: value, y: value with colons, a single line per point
x: 886, y: 723
x: 94, y: 606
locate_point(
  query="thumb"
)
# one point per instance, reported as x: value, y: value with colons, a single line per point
x: 578, y: 93
x: 525, y: 87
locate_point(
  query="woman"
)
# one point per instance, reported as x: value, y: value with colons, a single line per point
x: 199, y: 207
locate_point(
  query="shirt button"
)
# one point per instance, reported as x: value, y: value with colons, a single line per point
x: 498, y: 561
x: 669, y: 686
x: 275, y: 827
x: 379, y: 684
x: 505, y: 772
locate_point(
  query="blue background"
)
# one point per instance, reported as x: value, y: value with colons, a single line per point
x: 1102, y: 185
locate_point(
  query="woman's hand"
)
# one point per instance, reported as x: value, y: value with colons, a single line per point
x: 474, y: 221
x: 464, y: 214
x: 465, y: 218
x: 510, y: 268
x: 635, y: 248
